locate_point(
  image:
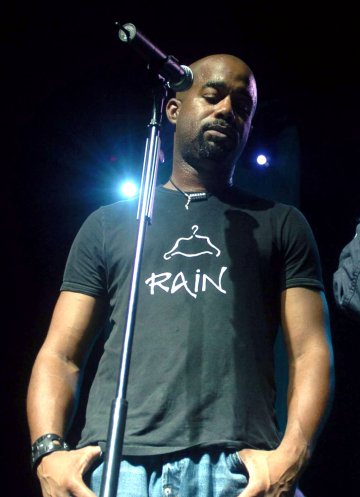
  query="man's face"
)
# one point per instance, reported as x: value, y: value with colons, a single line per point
x: 214, y: 115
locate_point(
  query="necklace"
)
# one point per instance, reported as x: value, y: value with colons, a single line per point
x: 191, y: 196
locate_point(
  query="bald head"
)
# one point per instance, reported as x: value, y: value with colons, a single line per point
x: 224, y: 64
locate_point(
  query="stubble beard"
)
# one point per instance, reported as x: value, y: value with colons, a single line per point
x: 219, y: 152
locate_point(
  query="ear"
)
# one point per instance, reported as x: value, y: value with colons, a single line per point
x: 172, y: 109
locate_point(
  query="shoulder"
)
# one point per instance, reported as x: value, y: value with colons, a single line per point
x: 280, y: 211
x: 114, y: 210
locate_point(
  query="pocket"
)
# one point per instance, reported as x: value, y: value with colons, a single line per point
x: 238, y: 476
x: 235, y: 462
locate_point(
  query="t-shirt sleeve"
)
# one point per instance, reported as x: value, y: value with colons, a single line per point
x: 85, y: 270
x: 346, y: 279
x: 302, y: 265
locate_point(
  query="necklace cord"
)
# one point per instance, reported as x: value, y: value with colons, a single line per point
x: 178, y: 189
x: 191, y: 196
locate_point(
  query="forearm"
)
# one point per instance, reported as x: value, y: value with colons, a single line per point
x: 51, y: 394
x: 309, y: 398
x: 55, y: 375
x: 306, y: 327
x: 53, y: 388
x: 277, y: 472
x: 50, y: 403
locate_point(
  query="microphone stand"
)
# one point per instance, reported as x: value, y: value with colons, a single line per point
x: 117, y: 422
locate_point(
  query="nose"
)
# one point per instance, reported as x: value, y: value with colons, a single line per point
x: 224, y: 108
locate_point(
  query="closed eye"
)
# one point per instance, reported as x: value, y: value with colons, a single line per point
x: 213, y: 99
x: 242, y: 106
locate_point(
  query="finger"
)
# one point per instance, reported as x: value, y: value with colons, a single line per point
x: 89, y: 454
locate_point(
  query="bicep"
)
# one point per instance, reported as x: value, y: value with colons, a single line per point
x: 305, y: 321
x: 75, y: 321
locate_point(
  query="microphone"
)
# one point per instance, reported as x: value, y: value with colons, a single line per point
x: 178, y: 77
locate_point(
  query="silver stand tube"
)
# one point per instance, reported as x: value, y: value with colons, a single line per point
x: 117, y: 422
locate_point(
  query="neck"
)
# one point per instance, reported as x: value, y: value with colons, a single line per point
x: 190, y: 182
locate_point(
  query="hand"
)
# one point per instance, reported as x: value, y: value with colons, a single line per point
x: 60, y: 473
x: 271, y: 473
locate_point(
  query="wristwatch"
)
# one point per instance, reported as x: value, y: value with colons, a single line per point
x: 45, y: 445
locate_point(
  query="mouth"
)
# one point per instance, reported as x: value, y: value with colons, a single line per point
x: 222, y: 132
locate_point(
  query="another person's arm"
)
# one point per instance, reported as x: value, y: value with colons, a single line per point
x: 346, y: 279
x: 53, y: 387
x: 307, y: 335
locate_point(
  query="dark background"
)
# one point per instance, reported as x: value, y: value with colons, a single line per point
x: 75, y: 109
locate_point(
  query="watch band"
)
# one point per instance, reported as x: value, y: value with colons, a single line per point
x: 50, y: 442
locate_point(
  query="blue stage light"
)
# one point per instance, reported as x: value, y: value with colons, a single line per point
x: 262, y: 160
x: 128, y: 189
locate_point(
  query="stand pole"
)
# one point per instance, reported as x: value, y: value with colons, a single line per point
x: 116, y: 430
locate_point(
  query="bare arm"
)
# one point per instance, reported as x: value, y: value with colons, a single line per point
x: 307, y: 335
x: 54, y: 378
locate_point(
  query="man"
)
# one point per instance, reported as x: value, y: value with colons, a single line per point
x: 221, y: 270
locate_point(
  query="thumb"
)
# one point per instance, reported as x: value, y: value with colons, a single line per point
x: 90, y: 454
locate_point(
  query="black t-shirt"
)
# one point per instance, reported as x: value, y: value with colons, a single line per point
x: 208, y: 310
